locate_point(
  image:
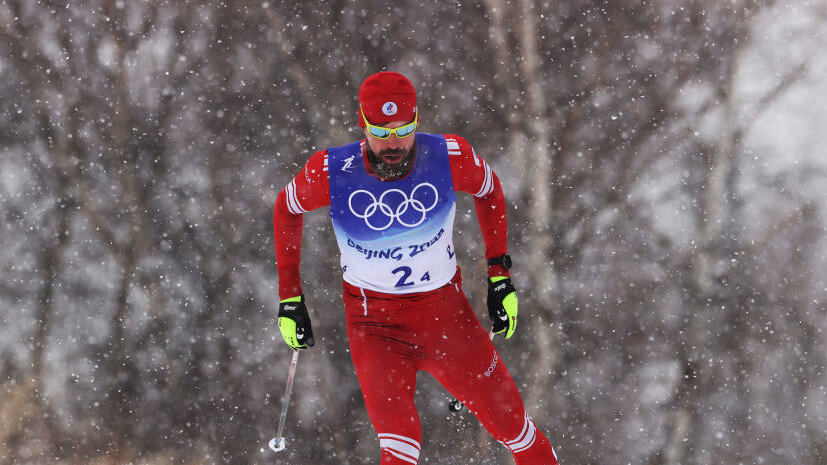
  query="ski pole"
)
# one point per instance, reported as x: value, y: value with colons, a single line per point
x: 455, y: 405
x: 277, y: 444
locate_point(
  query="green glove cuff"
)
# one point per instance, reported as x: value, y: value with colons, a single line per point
x: 496, y: 279
x: 298, y: 298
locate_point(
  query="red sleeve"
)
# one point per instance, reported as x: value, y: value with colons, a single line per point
x: 310, y: 189
x: 472, y: 174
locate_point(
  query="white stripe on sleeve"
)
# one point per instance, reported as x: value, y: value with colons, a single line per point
x: 292, y: 200
x: 487, y: 183
x: 290, y: 205
x: 287, y: 191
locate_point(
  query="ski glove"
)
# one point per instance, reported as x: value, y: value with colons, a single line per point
x: 294, y: 323
x: 502, y: 305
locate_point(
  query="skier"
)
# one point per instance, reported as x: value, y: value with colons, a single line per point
x: 392, y: 202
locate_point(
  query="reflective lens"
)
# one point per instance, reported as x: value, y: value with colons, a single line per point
x: 405, y: 130
x: 380, y: 132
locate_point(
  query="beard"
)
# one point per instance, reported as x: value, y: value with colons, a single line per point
x: 391, y: 171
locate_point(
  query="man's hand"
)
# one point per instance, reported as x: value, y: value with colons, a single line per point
x: 502, y: 305
x: 294, y: 323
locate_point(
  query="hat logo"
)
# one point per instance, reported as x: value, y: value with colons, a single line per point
x: 389, y: 108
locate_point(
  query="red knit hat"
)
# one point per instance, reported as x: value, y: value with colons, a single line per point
x: 387, y: 96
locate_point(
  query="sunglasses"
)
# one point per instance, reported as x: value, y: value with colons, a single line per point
x: 380, y: 132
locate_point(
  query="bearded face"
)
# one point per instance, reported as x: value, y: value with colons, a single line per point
x: 391, y: 158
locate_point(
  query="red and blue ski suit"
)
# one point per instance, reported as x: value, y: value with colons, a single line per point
x: 404, y: 303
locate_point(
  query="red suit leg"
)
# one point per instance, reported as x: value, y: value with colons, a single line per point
x: 462, y: 358
x: 386, y: 360
x: 393, y: 337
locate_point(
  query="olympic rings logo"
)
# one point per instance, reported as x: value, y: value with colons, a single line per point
x: 378, y: 207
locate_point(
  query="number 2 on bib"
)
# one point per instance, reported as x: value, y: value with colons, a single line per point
x: 405, y: 273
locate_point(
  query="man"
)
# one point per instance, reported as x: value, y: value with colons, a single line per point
x: 392, y: 201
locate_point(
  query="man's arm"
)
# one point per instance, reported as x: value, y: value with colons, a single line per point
x: 307, y: 191
x: 473, y: 175
x: 310, y: 189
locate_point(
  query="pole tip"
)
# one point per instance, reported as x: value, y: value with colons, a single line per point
x: 277, y: 444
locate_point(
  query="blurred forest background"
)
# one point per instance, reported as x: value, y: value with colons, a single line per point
x: 663, y: 161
